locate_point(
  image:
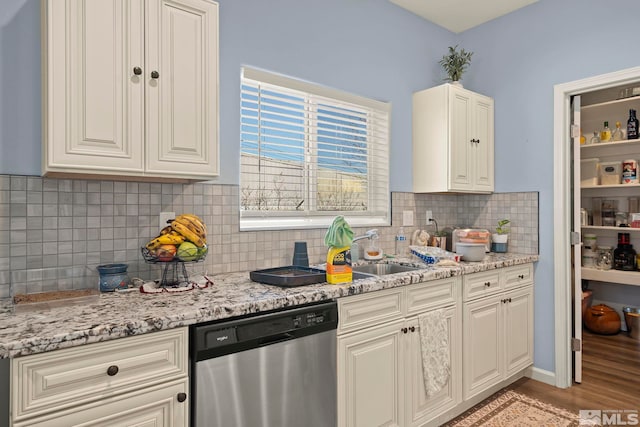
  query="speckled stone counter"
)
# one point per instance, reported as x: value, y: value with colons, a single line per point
x: 116, y: 315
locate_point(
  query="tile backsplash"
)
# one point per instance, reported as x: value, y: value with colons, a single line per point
x: 54, y: 232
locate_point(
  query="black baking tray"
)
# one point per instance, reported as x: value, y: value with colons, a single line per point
x: 289, y: 276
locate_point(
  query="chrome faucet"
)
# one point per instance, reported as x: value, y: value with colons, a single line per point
x: 355, y: 249
x: 371, y: 234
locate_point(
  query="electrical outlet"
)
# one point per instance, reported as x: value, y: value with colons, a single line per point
x: 164, y: 217
x: 407, y: 218
x: 429, y: 217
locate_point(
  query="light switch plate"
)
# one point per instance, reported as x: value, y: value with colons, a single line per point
x: 407, y: 218
x: 164, y: 217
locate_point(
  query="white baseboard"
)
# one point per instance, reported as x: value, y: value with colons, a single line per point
x: 541, y: 375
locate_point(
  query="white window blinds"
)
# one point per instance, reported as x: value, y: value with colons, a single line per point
x: 309, y: 153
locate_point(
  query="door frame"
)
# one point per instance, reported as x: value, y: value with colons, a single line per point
x: 562, y: 195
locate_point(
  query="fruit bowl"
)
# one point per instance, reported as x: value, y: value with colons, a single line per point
x: 162, y: 255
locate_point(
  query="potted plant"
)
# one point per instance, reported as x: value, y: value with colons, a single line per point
x: 500, y: 238
x: 455, y: 63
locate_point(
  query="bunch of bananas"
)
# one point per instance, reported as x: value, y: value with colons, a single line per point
x: 192, y: 228
x: 185, y: 227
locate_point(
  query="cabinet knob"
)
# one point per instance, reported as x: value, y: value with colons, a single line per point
x: 137, y: 71
x: 181, y: 397
x: 155, y: 74
x: 405, y: 330
x: 413, y: 329
x: 477, y: 141
x: 487, y: 284
x: 112, y: 370
x: 521, y: 276
x: 509, y: 299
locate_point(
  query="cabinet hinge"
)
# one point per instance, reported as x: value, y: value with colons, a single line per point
x: 575, y: 238
x: 575, y: 131
x: 576, y: 344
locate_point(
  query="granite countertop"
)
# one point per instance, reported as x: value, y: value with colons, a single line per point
x: 121, y: 314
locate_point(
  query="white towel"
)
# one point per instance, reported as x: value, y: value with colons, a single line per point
x: 434, y: 345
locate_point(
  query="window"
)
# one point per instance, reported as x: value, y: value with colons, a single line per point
x: 309, y: 153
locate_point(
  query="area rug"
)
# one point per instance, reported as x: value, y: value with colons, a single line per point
x: 508, y: 408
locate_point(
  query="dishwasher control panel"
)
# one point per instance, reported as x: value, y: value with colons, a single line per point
x: 308, y: 319
x: 218, y: 338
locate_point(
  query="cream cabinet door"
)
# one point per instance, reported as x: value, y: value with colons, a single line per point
x: 370, y: 377
x: 421, y: 408
x: 165, y: 405
x: 461, y: 148
x: 483, y: 352
x: 518, y: 323
x: 182, y: 77
x: 93, y: 100
x: 483, y: 149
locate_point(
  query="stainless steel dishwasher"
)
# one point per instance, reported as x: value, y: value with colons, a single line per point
x: 272, y: 370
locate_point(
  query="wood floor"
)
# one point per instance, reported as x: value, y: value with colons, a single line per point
x: 610, y: 377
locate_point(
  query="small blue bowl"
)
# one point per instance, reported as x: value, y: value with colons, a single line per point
x: 112, y: 277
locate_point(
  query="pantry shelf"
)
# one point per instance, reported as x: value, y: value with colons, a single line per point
x: 618, y: 229
x: 616, y: 186
x: 613, y: 276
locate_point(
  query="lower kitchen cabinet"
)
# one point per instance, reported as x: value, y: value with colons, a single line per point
x: 370, y: 377
x: 497, y: 337
x: 158, y: 406
x: 140, y: 380
x: 380, y: 377
x: 420, y: 408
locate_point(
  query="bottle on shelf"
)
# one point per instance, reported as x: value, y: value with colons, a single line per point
x: 624, y: 257
x: 632, y: 125
x: 594, y: 139
x: 618, y: 133
x: 605, y: 133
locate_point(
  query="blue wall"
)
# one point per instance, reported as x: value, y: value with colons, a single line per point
x: 518, y: 59
x: 375, y: 49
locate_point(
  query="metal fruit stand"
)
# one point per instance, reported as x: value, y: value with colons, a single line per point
x: 174, y: 271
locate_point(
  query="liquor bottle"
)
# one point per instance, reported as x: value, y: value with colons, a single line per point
x: 624, y: 257
x: 605, y: 134
x: 594, y: 139
x: 632, y: 125
x: 617, y: 134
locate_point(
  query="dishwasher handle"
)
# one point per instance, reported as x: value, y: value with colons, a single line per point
x: 274, y: 339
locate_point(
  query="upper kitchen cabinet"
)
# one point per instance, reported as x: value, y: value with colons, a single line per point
x: 130, y: 88
x: 452, y: 141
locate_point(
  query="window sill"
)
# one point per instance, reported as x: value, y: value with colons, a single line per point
x: 301, y: 223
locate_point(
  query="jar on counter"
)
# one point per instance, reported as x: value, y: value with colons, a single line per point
x: 112, y: 277
x: 624, y: 257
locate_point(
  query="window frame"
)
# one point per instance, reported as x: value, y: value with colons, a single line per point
x: 378, y: 166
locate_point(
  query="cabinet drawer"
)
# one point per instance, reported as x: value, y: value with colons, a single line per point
x: 518, y: 275
x: 429, y: 295
x: 74, y: 376
x: 481, y: 284
x: 360, y: 311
